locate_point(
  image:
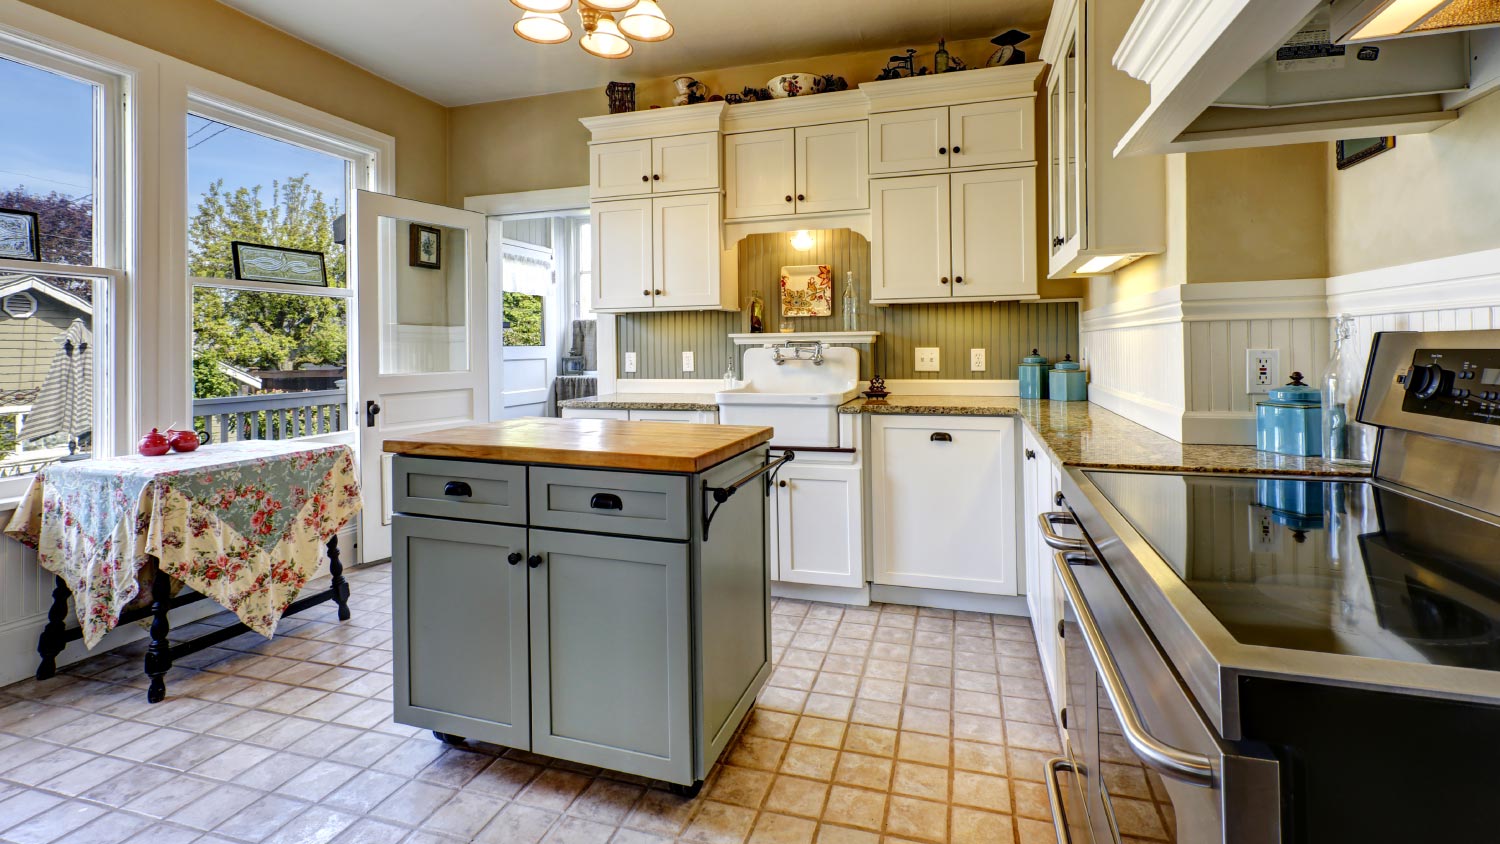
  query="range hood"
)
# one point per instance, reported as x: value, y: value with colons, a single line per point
x: 1228, y: 74
x: 1354, y: 21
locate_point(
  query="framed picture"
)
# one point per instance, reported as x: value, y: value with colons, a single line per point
x: 1352, y: 152
x: 259, y: 262
x: 20, y: 237
x: 426, y: 247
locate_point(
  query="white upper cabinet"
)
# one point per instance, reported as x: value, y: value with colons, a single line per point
x: 760, y: 172
x: 1103, y: 212
x: 672, y: 164
x: 908, y: 141
x: 833, y: 167
x: 686, y: 251
x: 994, y: 233
x: 911, y: 252
x: 801, y: 170
x: 621, y: 229
x: 985, y: 134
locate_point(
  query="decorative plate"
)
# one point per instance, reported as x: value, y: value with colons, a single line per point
x: 807, y: 291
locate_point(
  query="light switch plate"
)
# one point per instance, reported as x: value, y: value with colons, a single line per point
x: 1261, y: 369
x: 976, y: 360
x: 927, y: 359
x: 630, y: 361
x: 687, y: 361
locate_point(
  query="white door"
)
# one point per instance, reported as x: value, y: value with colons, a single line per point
x: 833, y: 167
x: 686, y: 251
x: 422, y: 343
x: 526, y: 307
x: 945, y: 498
x: 621, y: 230
x: 903, y: 141
x: 910, y: 255
x: 759, y: 167
x: 996, y: 132
x: 620, y: 169
x: 685, y: 162
x: 819, y: 532
x: 994, y: 233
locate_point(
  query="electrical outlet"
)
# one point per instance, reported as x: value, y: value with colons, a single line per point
x: 1264, y: 538
x: 630, y: 361
x: 976, y: 360
x: 687, y: 361
x: 1262, y: 368
x: 927, y: 359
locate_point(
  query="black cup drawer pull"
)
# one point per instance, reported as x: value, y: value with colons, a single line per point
x: 458, y: 489
x: 941, y: 437
x: 606, y: 501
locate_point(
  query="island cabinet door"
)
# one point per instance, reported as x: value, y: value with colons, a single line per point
x: 460, y: 626
x: 611, y: 650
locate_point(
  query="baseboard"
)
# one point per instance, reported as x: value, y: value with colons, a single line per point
x: 1205, y: 427
x: 1160, y: 417
x: 944, y: 599
x: 851, y: 596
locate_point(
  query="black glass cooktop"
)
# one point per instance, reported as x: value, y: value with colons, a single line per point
x: 1346, y: 568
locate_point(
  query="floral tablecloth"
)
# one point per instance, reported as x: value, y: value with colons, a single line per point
x: 242, y: 523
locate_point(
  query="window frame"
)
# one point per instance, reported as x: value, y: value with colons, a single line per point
x: 113, y: 179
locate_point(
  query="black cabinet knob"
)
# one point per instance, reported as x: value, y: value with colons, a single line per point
x: 781, y: 484
x: 534, y: 561
x: 659, y: 293
x: 956, y: 150
x: 1030, y: 454
x: 958, y: 279
x: 515, y: 558
x: 801, y: 198
x: 645, y: 178
x: 645, y: 293
x: 458, y: 489
x: 655, y: 177
x: 942, y: 150
x: 788, y: 197
x: 943, y: 280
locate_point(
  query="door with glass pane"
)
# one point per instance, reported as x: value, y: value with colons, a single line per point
x: 526, y: 306
x: 423, y: 344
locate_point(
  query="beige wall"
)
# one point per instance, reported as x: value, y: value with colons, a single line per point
x: 216, y: 37
x: 537, y: 142
x: 1433, y: 196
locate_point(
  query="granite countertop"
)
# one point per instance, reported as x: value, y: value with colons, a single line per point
x: 1086, y: 435
x: 643, y: 401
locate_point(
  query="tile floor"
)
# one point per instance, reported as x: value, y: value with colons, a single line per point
x: 884, y: 724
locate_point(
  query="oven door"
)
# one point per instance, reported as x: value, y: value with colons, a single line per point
x: 1152, y: 768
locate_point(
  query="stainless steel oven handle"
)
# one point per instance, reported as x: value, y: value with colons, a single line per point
x: 1169, y: 761
x: 1056, y: 541
x: 1054, y: 796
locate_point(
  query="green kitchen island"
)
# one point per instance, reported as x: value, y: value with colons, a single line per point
x: 590, y: 590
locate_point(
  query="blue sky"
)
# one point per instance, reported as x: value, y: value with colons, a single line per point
x: 47, y: 143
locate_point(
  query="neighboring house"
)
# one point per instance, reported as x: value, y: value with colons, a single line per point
x: 34, y: 315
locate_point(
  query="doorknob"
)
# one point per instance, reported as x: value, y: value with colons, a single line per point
x: 371, y: 411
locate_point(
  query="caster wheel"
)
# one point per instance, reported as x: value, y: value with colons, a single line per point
x: 448, y: 738
x: 688, y: 791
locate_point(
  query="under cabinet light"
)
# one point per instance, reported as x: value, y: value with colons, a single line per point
x: 1100, y: 264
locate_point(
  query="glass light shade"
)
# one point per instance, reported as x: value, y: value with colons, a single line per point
x: 606, y: 5
x: 802, y: 240
x: 645, y: 22
x: 543, y: 28
x: 543, y: 7
x: 605, y: 40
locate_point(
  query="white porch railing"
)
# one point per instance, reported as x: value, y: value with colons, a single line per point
x: 272, y: 416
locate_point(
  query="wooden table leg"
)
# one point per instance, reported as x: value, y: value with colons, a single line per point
x: 340, y: 585
x: 53, y: 639
x: 159, y: 652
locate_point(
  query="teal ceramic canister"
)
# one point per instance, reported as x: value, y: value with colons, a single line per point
x: 1067, y: 381
x: 1290, y: 421
x: 1034, y: 369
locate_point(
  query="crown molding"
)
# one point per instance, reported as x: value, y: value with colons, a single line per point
x: 990, y: 83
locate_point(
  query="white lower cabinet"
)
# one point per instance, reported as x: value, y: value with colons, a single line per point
x: 702, y: 417
x: 944, y: 502
x: 816, y: 525
x: 1040, y: 481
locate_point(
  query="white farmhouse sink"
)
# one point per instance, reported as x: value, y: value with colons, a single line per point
x: 797, y: 397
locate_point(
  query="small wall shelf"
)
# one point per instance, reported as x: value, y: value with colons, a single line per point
x: 847, y: 338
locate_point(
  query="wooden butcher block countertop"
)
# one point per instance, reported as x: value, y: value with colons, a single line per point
x: 589, y: 443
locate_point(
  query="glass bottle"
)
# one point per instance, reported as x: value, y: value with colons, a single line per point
x: 941, y: 60
x: 1345, y: 439
x: 851, y: 303
x: 757, y: 313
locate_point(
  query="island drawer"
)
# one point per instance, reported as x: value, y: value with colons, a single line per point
x: 629, y: 503
x: 459, y: 489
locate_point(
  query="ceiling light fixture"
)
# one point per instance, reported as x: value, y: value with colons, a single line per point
x: 802, y: 240
x: 543, y: 7
x: 646, y: 22
x: 601, y: 35
x: 540, y: 28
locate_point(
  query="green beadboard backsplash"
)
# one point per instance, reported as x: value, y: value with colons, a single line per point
x: 1007, y: 331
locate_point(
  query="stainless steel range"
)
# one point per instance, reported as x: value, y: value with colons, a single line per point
x: 1275, y: 659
